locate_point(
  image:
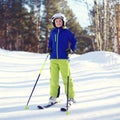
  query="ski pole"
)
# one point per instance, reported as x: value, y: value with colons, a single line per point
x: 27, y: 107
x: 68, y: 80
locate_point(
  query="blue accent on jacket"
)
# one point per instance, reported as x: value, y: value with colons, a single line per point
x: 60, y: 40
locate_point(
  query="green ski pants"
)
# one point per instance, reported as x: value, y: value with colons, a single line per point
x: 57, y: 66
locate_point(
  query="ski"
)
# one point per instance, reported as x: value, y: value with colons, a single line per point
x: 46, y: 106
x: 63, y: 109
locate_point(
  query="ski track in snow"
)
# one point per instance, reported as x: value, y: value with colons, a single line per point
x: 96, y: 78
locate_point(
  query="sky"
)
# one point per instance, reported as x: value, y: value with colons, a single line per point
x: 80, y: 9
x: 96, y: 83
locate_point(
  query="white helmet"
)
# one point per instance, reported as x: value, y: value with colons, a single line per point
x: 59, y: 15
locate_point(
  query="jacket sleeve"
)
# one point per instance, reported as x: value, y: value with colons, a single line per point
x: 73, y: 41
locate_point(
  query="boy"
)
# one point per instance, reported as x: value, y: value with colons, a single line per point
x: 61, y: 42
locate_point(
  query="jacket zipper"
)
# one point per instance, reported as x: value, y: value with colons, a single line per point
x: 56, y: 39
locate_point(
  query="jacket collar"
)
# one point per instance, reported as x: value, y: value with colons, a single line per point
x: 56, y: 29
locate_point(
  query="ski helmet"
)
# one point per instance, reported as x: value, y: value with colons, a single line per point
x: 59, y: 15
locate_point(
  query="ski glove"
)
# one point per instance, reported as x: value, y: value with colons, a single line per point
x: 69, y: 51
x: 49, y: 50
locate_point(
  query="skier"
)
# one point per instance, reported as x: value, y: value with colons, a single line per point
x: 61, y: 43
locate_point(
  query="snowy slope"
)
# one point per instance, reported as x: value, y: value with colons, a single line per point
x: 96, y: 78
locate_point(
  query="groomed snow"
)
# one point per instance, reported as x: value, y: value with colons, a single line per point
x: 96, y: 78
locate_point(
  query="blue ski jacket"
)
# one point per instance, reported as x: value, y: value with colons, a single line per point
x: 60, y: 40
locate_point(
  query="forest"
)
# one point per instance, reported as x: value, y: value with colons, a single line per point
x: 25, y: 25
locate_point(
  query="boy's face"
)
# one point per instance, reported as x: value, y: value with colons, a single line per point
x: 58, y: 22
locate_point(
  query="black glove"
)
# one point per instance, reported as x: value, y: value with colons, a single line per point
x: 68, y: 51
x: 49, y: 50
x: 74, y: 51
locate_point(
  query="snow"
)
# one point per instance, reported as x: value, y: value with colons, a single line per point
x: 96, y: 78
